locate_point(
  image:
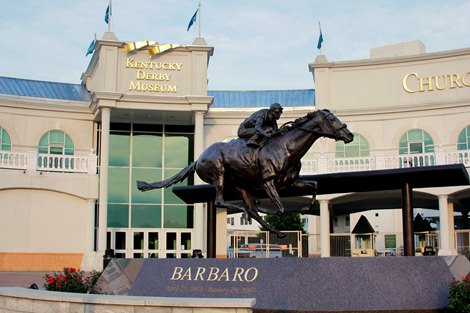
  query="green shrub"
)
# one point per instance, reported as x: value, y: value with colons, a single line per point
x: 72, y: 280
x: 459, y: 295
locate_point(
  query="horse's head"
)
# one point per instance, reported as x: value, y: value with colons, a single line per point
x: 327, y: 124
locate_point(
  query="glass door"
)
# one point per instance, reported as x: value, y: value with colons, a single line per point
x: 150, y: 243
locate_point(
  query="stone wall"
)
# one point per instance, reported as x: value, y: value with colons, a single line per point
x: 13, y: 299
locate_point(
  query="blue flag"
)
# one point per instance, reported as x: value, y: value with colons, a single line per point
x: 91, y: 48
x: 193, y: 20
x: 107, y: 14
x: 320, y: 40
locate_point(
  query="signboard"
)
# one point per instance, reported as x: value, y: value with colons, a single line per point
x: 313, y: 284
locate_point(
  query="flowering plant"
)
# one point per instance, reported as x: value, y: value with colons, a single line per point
x: 459, y: 295
x: 72, y: 280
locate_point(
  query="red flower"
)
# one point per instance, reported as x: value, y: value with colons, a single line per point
x: 72, y: 270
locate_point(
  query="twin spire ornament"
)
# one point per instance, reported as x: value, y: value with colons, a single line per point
x: 153, y: 47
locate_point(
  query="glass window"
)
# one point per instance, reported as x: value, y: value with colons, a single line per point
x: 359, y: 147
x: 5, y: 141
x: 147, y: 150
x: 169, y: 195
x: 120, y: 240
x: 171, y: 241
x: 119, y: 148
x: 118, y: 215
x: 416, y: 141
x: 118, y: 189
x: 148, y: 153
x: 56, y: 142
x: 178, y: 150
x: 138, y: 240
x: 147, y: 175
x: 463, y: 141
x: 178, y: 216
x: 146, y: 216
x: 185, y: 241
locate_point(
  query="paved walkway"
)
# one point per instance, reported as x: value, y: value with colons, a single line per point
x: 22, y: 279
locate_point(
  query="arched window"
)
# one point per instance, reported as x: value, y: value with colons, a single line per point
x: 416, y: 141
x: 56, y: 142
x: 463, y: 141
x: 419, y: 147
x: 359, y: 147
x: 5, y: 141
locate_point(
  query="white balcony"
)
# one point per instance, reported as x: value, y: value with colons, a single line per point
x: 323, y: 165
x: 34, y: 161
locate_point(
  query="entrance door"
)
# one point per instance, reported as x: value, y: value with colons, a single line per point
x: 150, y: 243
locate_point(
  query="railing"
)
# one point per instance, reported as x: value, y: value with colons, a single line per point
x: 343, y: 244
x: 323, y: 164
x: 63, y: 163
x: 15, y: 160
x: 462, y: 242
x: 33, y: 161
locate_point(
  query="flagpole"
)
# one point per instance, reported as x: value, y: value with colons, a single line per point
x: 199, y: 19
x: 110, y: 16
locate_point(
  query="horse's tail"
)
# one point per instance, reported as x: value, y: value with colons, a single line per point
x: 183, y: 174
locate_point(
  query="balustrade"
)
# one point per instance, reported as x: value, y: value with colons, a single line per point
x: 48, y: 162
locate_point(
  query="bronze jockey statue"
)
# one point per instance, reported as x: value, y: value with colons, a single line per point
x: 260, y: 125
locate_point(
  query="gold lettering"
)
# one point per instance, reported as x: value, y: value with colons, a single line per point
x: 140, y: 86
x: 169, y: 66
x: 439, y: 82
x: 454, y: 81
x: 436, y: 78
x: 405, y: 82
x: 141, y: 75
x: 422, y: 83
x: 464, y: 79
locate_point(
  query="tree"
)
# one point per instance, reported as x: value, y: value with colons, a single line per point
x: 285, y: 221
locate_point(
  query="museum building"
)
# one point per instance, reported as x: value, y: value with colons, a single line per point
x: 71, y: 153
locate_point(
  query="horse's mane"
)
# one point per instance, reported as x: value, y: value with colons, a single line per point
x: 286, y: 127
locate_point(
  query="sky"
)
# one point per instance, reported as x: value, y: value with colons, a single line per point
x: 258, y: 44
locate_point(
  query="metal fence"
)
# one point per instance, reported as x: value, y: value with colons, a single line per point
x: 262, y: 244
x: 296, y: 244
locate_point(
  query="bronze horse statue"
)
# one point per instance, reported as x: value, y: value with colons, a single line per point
x: 276, y: 164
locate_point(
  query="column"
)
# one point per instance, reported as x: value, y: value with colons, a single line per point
x: 444, y: 226
x: 89, y: 253
x: 103, y: 195
x: 452, y: 243
x: 324, y: 228
x: 200, y: 226
x: 407, y: 216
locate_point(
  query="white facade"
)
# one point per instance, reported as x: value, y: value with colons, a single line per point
x: 49, y: 211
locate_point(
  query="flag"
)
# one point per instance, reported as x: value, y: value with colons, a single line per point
x: 91, y: 48
x: 193, y: 20
x: 107, y: 14
x: 320, y: 40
